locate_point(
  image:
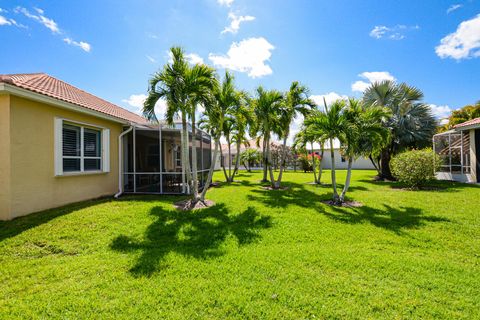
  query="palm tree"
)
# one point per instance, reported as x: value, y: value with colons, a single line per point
x: 242, y: 116
x: 304, y: 137
x: 212, y: 122
x: 266, y: 108
x: 296, y: 102
x: 183, y: 87
x: 363, y: 134
x: 411, y: 122
x: 330, y: 125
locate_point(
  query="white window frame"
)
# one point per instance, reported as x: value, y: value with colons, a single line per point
x: 105, y: 148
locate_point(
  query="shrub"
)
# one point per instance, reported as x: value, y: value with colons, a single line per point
x: 305, y: 163
x: 415, y: 167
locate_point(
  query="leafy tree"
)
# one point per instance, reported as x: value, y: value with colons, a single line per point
x: 466, y: 113
x: 411, y: 122
x: 183, y: 87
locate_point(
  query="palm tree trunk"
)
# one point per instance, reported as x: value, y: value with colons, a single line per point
x: 223, y: 163
x: 282, y: 162
x: 385, y: 164
x: 320, y: 168
x: 265, y: 160
x: 334, y: 179
x: 270, y: 168
x: 229, y: 161
x: 314, y: 166
x: 347, y: 180
x: 194, y: 160
x: 210, y: 172
x: 237, y: 160
x: 185, y: 158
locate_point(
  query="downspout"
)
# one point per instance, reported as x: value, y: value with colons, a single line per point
x: 120, y: 162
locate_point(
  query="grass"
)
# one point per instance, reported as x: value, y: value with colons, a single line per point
x: 255, y: 254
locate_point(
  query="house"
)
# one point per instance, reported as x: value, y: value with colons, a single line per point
x: 459, y: 152
x: 60, y: 144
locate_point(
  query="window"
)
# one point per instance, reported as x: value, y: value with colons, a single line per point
x: 178, y: 157
x: 342, y: 159
x: 80, y: 148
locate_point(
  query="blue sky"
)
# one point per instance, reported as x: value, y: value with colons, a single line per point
x: 110, y: 48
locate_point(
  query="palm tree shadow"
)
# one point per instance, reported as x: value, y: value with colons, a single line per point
x: 197, y: 234
x: 389, y: 218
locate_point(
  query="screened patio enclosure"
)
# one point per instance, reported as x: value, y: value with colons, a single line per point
x: 152, y: 159
x: 454, y: 151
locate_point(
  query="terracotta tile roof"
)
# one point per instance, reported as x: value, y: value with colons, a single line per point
x: 44, y: 84
x: 468, y: 123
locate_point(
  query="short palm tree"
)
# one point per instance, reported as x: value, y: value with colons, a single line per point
x: 329, y: 125
x: 266, y: 107
x: 411, y: 122
x: 363, y: 134
x: 296, y: 102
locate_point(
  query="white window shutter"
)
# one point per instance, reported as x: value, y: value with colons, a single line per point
x: 106, y: 150
x: 58, y: 132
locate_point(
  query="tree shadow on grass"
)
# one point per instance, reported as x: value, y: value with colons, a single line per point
x: 12, y: 228
x: 389, y: 218
x: 297, y: 194
x: 435, y: 186
x: 197, y: 234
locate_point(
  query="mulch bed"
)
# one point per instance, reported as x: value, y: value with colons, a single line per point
x: 346, y: 204
x: 186, y: 205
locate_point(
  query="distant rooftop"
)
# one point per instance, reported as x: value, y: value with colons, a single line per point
x: 47, y: 85
x: 472, y: 122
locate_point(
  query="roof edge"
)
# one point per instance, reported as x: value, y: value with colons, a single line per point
x: 6, y: 87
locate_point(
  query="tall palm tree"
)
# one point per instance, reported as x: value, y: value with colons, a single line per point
x: 183, y: 87
x: 267, y: 106
x: 411, y: 122
x: 363, y: 134
x: 229, y: 100
x: 329, y: 124
x: 212, y: 122
x: 242, y: 116
x: 296, y: 102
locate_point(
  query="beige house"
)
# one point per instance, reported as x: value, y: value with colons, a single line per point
x: 459, y: 152
x: 59, y: 145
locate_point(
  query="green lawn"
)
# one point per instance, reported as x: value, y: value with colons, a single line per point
x: 256, y: 254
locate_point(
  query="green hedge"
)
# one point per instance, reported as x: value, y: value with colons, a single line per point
x: 415, y: 167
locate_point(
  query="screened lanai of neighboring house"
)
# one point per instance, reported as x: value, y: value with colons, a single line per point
x: 152, y: 159
x: 453, y: 149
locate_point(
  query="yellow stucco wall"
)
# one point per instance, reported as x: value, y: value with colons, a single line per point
x: 4, y: 157
x: 34, y: 186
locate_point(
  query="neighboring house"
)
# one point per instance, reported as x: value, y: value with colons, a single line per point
x: 59, y: 145
x: 340, y: 161
x: 459, y: 152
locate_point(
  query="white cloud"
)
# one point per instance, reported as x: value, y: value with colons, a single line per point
x: 454, y: 7
x: 40, y: 18
x: 135, y: 104
x: 393, y: 33
x: 371, y: 77
x: 194, y: 58
x: 4, y: 21
x: 249, y: 56
x: 227, y: 3
x: 151, y: 59
x: 318, y: 99
x: 83, y: 45
x: 440, y: 112
x: 235, y: 22
x: 329, y: 98
x: 463, y: 43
